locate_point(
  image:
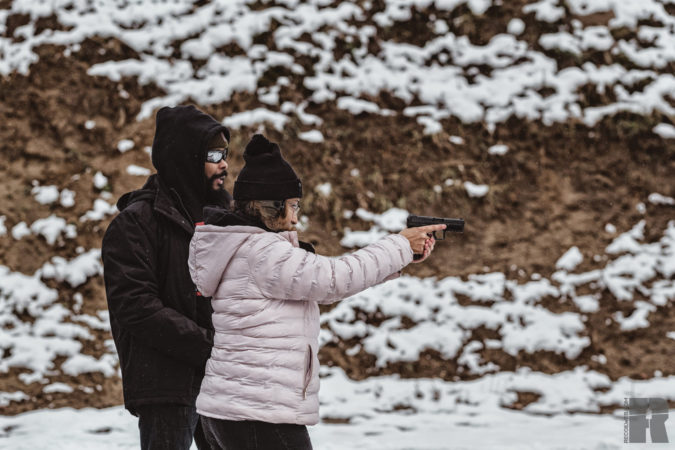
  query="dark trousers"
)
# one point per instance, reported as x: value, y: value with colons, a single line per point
x: 253, y: 435
x: 169, y: 427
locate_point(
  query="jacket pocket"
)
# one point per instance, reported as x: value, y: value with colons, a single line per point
x: 308, y: 371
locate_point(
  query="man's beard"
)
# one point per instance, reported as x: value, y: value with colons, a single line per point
x: 217, y: 196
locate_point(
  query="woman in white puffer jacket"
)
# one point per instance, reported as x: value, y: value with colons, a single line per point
x: 261, y: 384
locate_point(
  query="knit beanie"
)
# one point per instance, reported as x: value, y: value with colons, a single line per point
x: 266, y: 174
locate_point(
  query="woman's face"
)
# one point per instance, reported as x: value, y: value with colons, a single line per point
x: 290, y: 220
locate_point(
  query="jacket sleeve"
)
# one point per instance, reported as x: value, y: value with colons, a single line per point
x: 282, y: 271
x: 129, y: 268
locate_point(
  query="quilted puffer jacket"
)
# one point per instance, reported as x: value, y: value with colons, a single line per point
x: 265, y: 294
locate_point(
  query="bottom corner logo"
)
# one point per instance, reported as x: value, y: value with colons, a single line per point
x: 637, y: 420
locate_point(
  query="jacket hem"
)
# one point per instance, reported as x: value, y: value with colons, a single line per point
x: 295, y: 420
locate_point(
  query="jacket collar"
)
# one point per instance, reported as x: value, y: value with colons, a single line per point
x: 168, y: 203
x: 224, y: 217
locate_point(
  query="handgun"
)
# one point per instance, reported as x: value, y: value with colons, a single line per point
x: 454, y: 225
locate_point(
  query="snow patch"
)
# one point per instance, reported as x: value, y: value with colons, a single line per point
x: 76, y: 271
x: 45, y: 195
x: 138, y: 171
x: 67, y: 198
x: 100, y: 181
x: 476, y: 190
x: 313, y: 136
x: 324, y: 189
x: 60, y: 388
x: 357, y: 106
x: 658, y: 199
x: 516, y: 27
x: 52, y: 228
x: 254, y: 117
x: 125, y: 145
x: 570, y: 259
x: 665, y: 130
x: 20, y: 230
x: 499, y: 149
x: 100, y: 210
x: 79, y: 364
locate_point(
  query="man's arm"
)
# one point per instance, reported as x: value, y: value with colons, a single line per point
x: 129, y: 262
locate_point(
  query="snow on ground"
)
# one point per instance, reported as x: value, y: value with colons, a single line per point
x: 499, y: 149
x: 100, y: 181
x: 665, y: 130
x: 324, y: 189
x: 46, y: 195
x: 570, y: 260
x: 392, y: 220
x: 36, y: 326
x: 384, y: 412
x: 442, y: 74
x: 138, y: 171
x: 20, y: 230
x: 476, y: 190
x: 125, y: 145
x: 313, y: 136
x: 100, y: 209
x: 659, y: 199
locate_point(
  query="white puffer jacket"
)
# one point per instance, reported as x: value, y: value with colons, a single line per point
x: 266, y: 292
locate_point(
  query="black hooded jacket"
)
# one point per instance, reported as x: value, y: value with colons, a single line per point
x: 162, y: 329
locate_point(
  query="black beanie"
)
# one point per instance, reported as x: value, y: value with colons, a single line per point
x: 266, y: 174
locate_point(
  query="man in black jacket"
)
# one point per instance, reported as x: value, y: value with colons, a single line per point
x: 162, y: 328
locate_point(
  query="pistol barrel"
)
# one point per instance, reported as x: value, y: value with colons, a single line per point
x: 454, y: 225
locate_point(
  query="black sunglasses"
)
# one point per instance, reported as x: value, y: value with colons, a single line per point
x: 215, y: 156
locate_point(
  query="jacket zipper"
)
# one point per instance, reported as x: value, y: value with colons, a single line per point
x: 308, y: 371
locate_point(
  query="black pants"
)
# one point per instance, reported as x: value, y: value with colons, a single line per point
x: 253, y: 435
x: 169, y: 427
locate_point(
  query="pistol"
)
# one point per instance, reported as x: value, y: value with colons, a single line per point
x: 454, y: 225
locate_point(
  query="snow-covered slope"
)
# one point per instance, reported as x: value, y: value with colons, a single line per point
x: 420, y: 362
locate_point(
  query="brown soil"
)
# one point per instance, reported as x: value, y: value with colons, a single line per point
x: 557, y: 187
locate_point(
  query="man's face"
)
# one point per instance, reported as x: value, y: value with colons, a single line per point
x: 216, y: 172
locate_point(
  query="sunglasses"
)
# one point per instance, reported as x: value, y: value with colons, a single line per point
x: 215, y: 156
x: 278, y: 204
x: 295, y: 206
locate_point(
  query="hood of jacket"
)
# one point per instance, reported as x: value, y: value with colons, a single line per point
x: 224, y: 218
x: 147, y: 192
x: 164, y: 200
x: 179, y: 152
x: 215, y: 244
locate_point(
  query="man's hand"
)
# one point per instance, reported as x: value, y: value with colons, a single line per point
x: 421, y: 239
